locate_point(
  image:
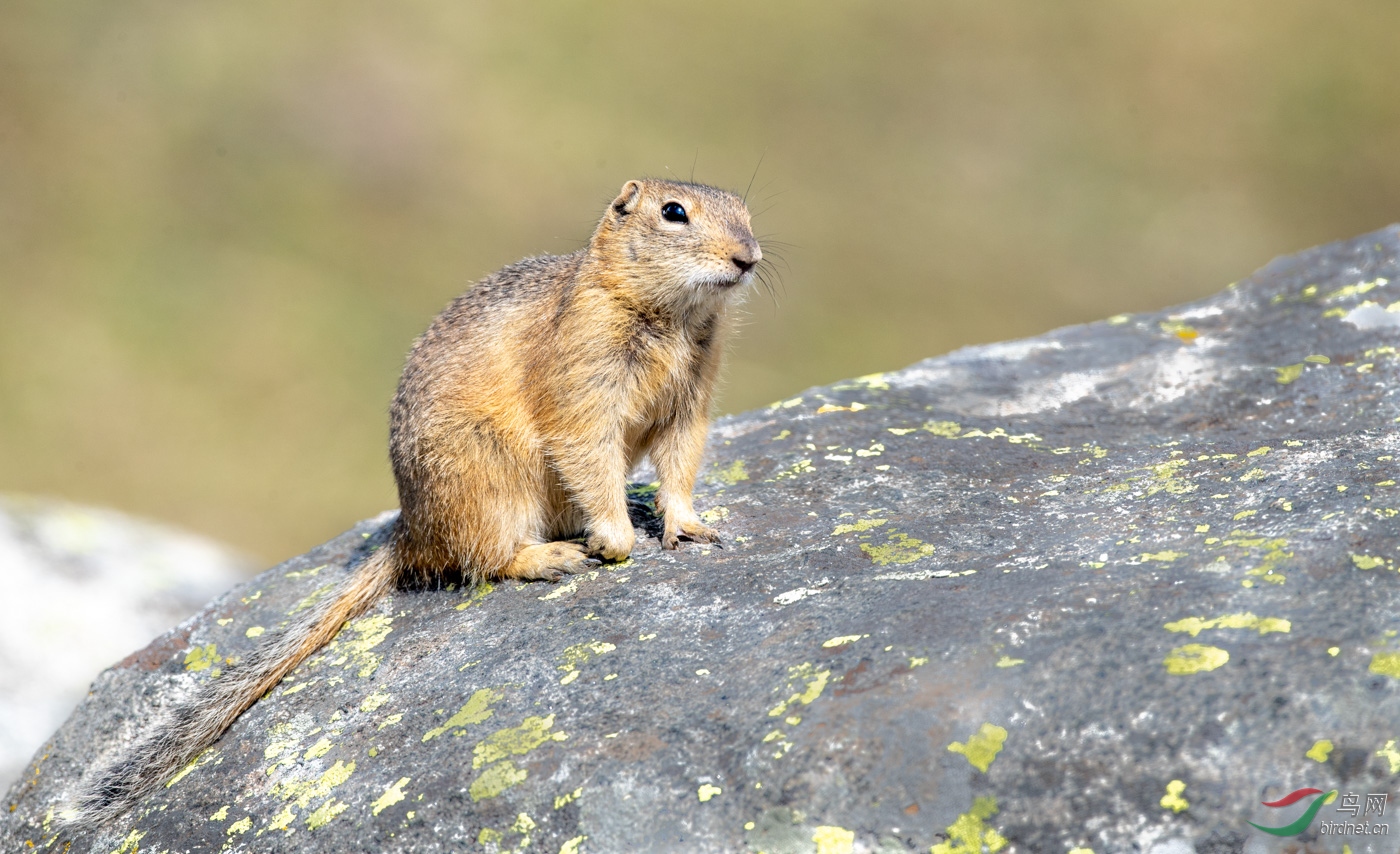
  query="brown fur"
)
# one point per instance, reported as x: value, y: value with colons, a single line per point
x: 520, y: 412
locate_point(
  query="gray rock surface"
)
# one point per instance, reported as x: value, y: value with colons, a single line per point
x: 1109, y: 588
x: 82, y: 588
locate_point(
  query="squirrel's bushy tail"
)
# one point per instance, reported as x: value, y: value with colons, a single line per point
x: 193, y: 724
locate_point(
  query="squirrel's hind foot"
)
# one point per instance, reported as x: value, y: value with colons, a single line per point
x: 549, y: 562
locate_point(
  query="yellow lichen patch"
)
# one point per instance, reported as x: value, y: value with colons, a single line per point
x: 476, y: 710
x: 523, y: 827
x: 1179, y: 329
x: 302, y: 792
x: 858, y: 525
x: 312, y: 598
x: 1161, y: 557
x: 714, y: 515
x: 969, y: 834
x: 1367, y: 561
x: 1194, y: 658
x: 221, y: 814
x: 946, y: 429
x: 209, y: 755
x: 319, y: 749
x: 580, y: 654
x: 282, y: 821
x: 842, y: 641
x: 1386, y: 664
x: 797, y: 468
x: 573, y: 846
x: 831, y: 839
x: 809, y: 679
x: 1008, y: 661
x: 1162, y: 477
x: 357, y: 652
x: 1288, y: 373
x: 496, y: 779
x: 1320, y: 750
x: 707, y: 791
x: 999, y: 433
x: 899, y: 549
x: 982, y: 748
x: 306, y: 573
x: 564, y: 800
x: 131, y: 843
x: 734, y: 473
x: 322, y: 815
x: 478, y: 595
x: 374, y: 701
x: 1275, y: 553
x: 1264, y: 625
x: 515, y: 741
x: 1173, y: 800
x: 254, y: 631
x: 202, y: 657
x: 1356, y: 290
x: 876, y: 382
x: 243, y: 825
x: 286, y: 741
x: 828, y: 407
x: 568, y: 587
x: 1391, y: 755
x: 391, y: 796
x: 1166, y: 477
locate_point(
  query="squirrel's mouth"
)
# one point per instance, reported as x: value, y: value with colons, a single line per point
x: 722, y: 282
x: 740, y: 278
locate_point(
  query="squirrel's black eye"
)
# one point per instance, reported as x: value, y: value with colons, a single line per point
x: 673, y: 212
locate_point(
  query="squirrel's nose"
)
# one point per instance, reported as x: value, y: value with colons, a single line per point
x: 747, y: 256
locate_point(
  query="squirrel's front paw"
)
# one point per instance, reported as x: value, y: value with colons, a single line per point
x: 612, y: 545
x: 692, y: 529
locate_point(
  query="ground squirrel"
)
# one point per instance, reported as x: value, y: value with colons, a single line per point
x: 519, y: 414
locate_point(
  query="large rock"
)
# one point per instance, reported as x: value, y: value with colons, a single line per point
x: 1109, y: 588
x: 83, y: 586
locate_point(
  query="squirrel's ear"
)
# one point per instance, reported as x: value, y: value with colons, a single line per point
x: 628, y: 199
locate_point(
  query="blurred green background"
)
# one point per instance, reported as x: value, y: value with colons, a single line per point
x: 222, y: 224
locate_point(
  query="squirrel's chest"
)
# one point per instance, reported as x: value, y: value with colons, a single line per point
x: 663, y: 375
x: 666, y: 364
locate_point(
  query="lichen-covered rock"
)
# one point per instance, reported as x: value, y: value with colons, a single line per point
x: 82, y: 587
x: 1105, y: 589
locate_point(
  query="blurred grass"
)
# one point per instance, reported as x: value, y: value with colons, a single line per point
x: 221, y: 225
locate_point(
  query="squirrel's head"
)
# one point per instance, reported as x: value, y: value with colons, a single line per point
x: 692, y: 240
